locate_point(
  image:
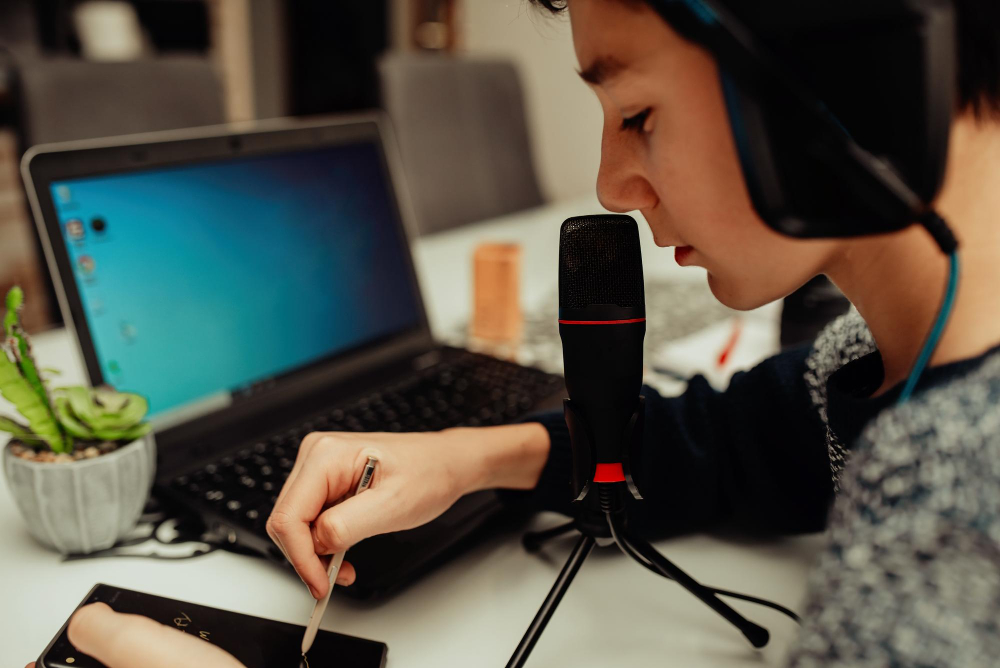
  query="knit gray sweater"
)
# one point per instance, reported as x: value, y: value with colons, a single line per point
x: 910, y: 575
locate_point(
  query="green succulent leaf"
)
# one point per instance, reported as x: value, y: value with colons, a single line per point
x: 134, y: 410
x: 113, y: 402
x: 103, y: 413
x: 124, y: 435
x: 69, y: 421
x: 29, y: 369
x: 15, y: 299
x: 80, y: 404
x: 19, y: 431
x: 18, y: 391
x: 22, y: 348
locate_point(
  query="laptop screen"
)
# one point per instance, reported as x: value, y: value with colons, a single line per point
x: 202, y: 282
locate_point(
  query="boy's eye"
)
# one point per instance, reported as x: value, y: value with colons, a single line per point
x: 636, y: 123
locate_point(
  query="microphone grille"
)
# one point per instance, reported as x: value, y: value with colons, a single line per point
x: 600, y: 262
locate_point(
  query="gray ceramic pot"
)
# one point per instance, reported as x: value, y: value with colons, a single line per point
x: 86, y: 505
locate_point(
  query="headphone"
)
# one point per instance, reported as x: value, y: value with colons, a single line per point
x: 840, y: 111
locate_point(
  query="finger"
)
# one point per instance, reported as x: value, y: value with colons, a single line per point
x: 290, y: 519
x: 133, y: 641
x: 308, y: 443
x: 351, y: 521
x: 347, y: 575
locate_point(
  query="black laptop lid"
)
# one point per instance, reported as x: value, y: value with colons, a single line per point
x: 215, y: 273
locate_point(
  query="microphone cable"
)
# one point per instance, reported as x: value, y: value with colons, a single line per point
x: 655, y: 564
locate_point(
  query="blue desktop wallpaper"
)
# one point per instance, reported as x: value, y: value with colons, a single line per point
x: 206, y: 278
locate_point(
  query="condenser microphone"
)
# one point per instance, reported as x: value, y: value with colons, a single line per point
x: 602, y: 323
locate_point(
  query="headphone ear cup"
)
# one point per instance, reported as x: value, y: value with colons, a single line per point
x: 885, y: 72
x: 757, y: 159
x: 801, y: 180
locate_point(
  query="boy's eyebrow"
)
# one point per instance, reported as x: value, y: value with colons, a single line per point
x: 602, y: 69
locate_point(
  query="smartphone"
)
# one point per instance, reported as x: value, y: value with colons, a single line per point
x: 255, y: 642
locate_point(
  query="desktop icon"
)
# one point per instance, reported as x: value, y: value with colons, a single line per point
x: 63, y: 193
x: 99, y: 225
x: 128, y: 332
x: 75, y: 229
x: 86, y: 264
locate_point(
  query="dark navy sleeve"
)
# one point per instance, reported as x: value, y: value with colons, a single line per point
x: 753, y: 456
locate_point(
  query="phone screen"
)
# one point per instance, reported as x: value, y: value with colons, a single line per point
x: 255, y: 642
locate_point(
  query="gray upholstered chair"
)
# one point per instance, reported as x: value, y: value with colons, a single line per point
x: 463, y: 136
x: 68, y: 98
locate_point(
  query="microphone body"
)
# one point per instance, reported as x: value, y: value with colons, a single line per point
x: 602, y: 323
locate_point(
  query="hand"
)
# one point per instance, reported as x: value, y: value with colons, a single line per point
x: 418, y: 477
x: 133, y: 641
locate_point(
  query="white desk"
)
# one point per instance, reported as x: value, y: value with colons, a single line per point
x: 473, y: 611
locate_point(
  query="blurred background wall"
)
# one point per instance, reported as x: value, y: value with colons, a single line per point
x: 76, y: 69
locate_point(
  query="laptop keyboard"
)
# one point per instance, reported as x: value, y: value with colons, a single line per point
x: 465, y: 390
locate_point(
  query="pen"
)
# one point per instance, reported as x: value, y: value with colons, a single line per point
x: 334, y: 567
x: 734, y: 337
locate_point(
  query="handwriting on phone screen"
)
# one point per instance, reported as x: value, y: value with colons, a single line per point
x: 183, y: 622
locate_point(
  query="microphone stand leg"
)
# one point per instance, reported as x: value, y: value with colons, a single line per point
x: 533, y: 540
x: 566, y: 575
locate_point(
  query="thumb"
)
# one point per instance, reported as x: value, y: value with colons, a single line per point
x: 351, y: 521
x: 133, y: 641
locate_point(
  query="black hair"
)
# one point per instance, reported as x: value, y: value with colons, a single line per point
x: 978, y: 52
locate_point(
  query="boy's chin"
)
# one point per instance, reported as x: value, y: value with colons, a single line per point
x: 735, y: 294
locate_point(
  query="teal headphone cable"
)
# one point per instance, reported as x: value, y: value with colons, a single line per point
x: 939, y: 323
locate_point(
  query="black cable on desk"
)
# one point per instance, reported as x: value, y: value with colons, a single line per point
x: 627, y: 549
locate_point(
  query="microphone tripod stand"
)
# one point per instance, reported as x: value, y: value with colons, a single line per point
x: 602, y: 517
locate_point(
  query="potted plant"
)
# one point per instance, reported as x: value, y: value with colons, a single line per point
x: 80, y: 461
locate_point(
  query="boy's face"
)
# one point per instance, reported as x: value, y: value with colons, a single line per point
x: 677, y: 163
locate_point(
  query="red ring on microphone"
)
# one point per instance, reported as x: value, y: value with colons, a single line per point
x: 609, y: 473
x: 601, y: 322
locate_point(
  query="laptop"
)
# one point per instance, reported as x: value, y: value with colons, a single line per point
x: 256, y: 284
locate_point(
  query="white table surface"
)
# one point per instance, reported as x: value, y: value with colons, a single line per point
x: 473, y: 611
